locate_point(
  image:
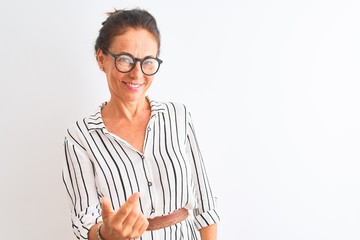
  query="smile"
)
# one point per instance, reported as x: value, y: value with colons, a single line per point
x: 133, y: 86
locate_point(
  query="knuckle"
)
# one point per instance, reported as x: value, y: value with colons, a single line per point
x: 134, y: 214
x: 127, y: 232
x: 125, y: 210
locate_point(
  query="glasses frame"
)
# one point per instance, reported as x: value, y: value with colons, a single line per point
x: 141, y: 60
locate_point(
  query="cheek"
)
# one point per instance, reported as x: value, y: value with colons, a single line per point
x: 114, y: 77
x: 149, y: 80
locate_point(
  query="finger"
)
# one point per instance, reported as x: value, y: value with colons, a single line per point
x: 135, y: 224
x: 131, y: 219
x: 143, y: 227
x: 133, y: 199
x: 140, y: 225
x: 106, y: 210
x: 131, y: 204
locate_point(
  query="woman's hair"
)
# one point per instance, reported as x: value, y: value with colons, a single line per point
x: 119, y: 21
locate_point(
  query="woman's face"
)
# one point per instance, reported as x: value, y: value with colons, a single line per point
x: 131, y: 86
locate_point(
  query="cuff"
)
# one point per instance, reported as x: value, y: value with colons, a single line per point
x: 82, y: 223
x: 206, y: 219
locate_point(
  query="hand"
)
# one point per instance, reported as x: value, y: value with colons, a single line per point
x: 126, y: 223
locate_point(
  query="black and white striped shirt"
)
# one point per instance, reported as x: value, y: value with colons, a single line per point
x: 169, y: 175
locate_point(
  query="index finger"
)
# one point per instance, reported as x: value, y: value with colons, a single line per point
x: 131, y: 204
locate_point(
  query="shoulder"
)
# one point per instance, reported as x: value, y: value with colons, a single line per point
x: 175, y: 117
x: 170, y: 108
x: 82, y: 127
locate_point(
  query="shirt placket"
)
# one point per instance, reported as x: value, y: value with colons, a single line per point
x: 147, y: 164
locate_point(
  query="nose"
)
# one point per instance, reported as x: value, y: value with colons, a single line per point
x: 136, y: 72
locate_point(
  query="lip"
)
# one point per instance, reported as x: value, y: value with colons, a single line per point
x: 133, y: 86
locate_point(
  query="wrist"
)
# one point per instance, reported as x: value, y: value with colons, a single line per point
x: 98, y: 232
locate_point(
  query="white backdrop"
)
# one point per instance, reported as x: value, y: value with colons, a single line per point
x: 273, y: 87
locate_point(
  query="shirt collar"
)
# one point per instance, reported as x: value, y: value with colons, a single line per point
x: 95, y: 120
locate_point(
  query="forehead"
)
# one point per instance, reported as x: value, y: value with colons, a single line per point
x: 134, y: 40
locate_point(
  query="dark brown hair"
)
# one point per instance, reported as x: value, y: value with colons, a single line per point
x: 119, y: 21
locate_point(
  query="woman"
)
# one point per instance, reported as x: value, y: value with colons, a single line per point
x: 133, y: 168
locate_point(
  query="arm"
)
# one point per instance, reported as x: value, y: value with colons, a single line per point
x: 87, y: 214
x: 205, y: 213
x: 92, y: 235
x: 78, y: 178
x: 209, y: 232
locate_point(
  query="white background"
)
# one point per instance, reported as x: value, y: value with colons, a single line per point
x: 273, y: 87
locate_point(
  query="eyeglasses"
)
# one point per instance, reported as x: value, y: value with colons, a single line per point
x: 125, y: 62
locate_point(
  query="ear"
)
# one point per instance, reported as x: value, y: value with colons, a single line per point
x: 100, y: 58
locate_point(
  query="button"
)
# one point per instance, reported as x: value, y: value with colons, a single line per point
x: 142, y: 157
x: 152, y: 210
x: 149, y: 128
x: 149, y: 184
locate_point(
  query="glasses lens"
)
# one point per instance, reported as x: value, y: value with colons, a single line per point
x: 150, y: 66
x: 124, y: 63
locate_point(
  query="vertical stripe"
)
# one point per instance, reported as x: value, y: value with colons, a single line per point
x: 170, y: 173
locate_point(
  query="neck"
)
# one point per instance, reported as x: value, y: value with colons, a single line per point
x: 126, y: 110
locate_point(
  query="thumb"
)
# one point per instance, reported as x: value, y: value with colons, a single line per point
x: 106, y: 210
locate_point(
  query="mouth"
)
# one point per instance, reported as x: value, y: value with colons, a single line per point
x: 133, y: 86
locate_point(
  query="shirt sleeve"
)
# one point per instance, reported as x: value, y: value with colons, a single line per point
x: 79, y: 180
x: 205, y: 212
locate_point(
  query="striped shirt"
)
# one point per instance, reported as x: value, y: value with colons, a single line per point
x: 169, y: 174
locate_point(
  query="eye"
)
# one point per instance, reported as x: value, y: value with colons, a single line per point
x: 124, y: 60
x: 149, y: 63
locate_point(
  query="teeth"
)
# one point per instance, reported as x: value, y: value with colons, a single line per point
x: 134, y: 85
